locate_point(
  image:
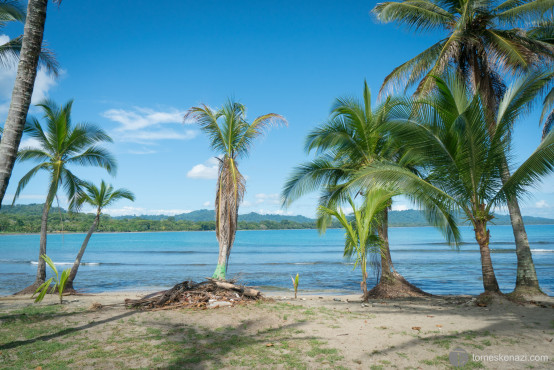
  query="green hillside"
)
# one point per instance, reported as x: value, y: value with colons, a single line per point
x: 26, y: 219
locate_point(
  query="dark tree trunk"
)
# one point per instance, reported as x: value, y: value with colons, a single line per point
x: 77, y: 263
x: 482, y: 235
x: 22, y: 90
x: 391, y: 284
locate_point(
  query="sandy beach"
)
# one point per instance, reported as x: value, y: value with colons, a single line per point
x: 308, y: 332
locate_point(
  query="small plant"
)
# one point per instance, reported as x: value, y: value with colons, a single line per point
x: 295, y: 284
x: 59, y: 281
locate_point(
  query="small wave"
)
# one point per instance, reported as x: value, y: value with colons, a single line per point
x: 65, y: 263
x: 543, y: 250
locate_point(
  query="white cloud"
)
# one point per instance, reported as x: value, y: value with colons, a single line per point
x: 145, y: 125
x: 263, y: 211
x: 148, y: 136
x: 267, y: 198
x: 130, y: 211
x: 399, y: 207
x: 207, y: 170
x: 30, y: 143
x: 207, y: 204
x: 141, y: 118
x: 542, y: 204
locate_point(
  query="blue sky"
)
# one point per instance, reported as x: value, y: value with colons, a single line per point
x: 135, y: 69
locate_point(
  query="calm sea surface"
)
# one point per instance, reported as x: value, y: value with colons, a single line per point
x: 144, y: 261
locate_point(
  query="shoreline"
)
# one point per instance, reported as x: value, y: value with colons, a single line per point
x: 211, y: 231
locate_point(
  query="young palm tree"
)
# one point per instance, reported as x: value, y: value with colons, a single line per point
x: 99, y: 198
x: 29, y: 49
x: 355, y: 137
x: 62, y: 144
x: 450, y: 135
x: 231, y: 137
x: 361, y: 237
x: 483, y: 40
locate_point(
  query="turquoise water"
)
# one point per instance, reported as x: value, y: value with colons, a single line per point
x: 137, y: 261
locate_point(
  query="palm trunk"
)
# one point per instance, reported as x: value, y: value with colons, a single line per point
x: 221, y: 269
x: 77, y: 263
x: 391, y: 284
x: 363, y: 283
x: 22, y: 90
x: 41, y: 267
x: 482, y: 235
x: 526, y: 280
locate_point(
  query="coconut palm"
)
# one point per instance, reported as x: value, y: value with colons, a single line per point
x: 12, y: 11
x: 450, y: 134
x: 29, y: 49
x: 543, y: 30
x: 482, y: 41
x: 62, y: 144
x: 354, y: 137
x: 231, y: 137
x: 99, y: 198
x: 361, y: 236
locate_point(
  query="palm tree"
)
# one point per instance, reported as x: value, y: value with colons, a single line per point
x: 483, y: 40
x: 361, y: 237
x: 62, y: 145
x: 543, y: 30
x: 355, y: 137
x: 29, y: 55
x: 99, y: 198
x: 450, y: 134
x: 11, y: 11
x: 231, y: 137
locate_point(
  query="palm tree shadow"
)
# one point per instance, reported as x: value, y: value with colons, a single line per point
x: 61, y: 333
x: 202, y: 346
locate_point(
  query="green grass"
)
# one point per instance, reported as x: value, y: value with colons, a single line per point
x: 36, y: 335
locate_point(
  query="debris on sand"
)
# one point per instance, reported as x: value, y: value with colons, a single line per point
x: 207, y: 294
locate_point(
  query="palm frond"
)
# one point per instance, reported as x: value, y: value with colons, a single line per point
x: 420, y: 15
x: 27, y: 177
x: 95, y: 156
x: 525, y: 10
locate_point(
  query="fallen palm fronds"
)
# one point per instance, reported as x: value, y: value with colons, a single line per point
x: 188, y: 294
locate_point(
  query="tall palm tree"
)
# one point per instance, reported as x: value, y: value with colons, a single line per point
x: 12, y: 11
x: 231, y: 137
x: 61, y: 144
x: 543, y: 30
x: 483, y: 40
x: 361, y: 237
x: 449, y: 132
x: 355, y: 137
x: 29, y: 54
x: 99, y: 198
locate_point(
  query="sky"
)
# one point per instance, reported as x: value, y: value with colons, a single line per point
x: 134, y: 68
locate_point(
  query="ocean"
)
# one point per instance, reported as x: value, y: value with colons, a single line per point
x: 267, y: 259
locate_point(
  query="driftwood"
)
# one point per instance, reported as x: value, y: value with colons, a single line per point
x: 188, y: 294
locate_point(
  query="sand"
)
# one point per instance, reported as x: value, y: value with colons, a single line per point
x: 311, y: 332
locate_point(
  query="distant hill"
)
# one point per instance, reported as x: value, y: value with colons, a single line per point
x: 28, y: 209
x: 413, y: 217
x: 26, y: 218
x: 409, y: 217
x: 209, y: 215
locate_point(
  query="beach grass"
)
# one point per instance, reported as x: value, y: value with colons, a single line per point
x: 301, y: 334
